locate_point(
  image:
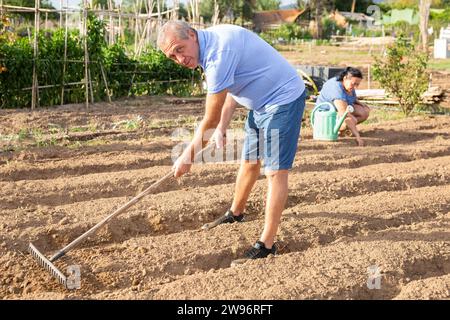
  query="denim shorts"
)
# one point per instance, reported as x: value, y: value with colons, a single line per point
x: 273, y: 136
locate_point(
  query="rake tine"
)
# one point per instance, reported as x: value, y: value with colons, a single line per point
x: 47, y: 265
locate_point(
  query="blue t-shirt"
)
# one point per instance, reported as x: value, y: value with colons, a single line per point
x: 334, y: 90
x: 254, y: 73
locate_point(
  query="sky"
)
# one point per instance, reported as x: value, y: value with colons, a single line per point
x: 74, y: 3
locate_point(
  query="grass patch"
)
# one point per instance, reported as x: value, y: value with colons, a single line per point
x: 381, y: 115
x: 186, y: 121
x: 74, y: 145
x: 95, y: 142
x: 23, y: 134
x: 439, y: 64
x: 130, y: 124
x: 79, y: 129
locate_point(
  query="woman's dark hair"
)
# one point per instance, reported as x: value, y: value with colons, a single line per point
x: 350, y: 71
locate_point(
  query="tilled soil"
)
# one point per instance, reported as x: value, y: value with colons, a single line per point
x: 384, y: 206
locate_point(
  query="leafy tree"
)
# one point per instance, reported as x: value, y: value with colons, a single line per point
x: 182, y: 11
x: 101, y: 3
x: 236, y: 9
x: 346, y: 5
x: 263, y: 5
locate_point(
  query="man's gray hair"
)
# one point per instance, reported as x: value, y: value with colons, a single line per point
x: 178, y: 27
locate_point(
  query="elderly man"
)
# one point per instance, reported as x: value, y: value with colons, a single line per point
x: 241, y: 68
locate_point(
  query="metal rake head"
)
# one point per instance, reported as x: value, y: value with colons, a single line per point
x: 46, y: 264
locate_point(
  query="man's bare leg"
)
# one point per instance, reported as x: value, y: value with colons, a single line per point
x: 277, y: 194
x: 249, y: 172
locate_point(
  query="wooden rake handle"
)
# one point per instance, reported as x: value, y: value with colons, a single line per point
x: 127, y: 205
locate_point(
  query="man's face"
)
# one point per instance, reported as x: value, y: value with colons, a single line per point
x: 184, y: 52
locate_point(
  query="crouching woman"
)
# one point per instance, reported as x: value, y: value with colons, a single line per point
x: 340, y: 91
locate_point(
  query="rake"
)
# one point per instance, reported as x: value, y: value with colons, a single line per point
x: 48, y: 263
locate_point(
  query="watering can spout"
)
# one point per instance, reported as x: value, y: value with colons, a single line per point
x: 341, y: 119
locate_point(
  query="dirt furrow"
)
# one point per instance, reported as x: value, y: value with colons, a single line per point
x: 338, y: 156
x: 114, y: 157
x: 189, y: 208
x: 131, y: 156
x: 432, y: 288
x: 166, y: 258
x: 384, y: 206
x: 333, y: 272
x: 306, y: 187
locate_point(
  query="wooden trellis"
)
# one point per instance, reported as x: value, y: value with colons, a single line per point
x: 146, y: 25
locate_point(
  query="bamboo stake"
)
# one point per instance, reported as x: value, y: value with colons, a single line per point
x: 215, y: 19
x: 65, y: 55
x: 158, y: 24
x: 82, y: 82
x: 27, y: 9
x: 61, y: 13
x: 1, y: 9
x: 106, y: 82
x: 86, y: 73
x: 197, y: 12
x: 120, y: 22
x: 55, y: 85
x: 146, y: 6
x: 147, y: 32
x: 130, y: 23
x: 136, y: 31
x: 149, y: 21
x: 35, y: 91
x: 111, y: 24
x: 91, y: 87
x: 132, y: 80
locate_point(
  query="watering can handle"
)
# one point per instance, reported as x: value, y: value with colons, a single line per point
x: 319, y: 105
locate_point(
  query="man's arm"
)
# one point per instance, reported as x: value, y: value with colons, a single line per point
x: 227, y: 114
x: 213, y: 111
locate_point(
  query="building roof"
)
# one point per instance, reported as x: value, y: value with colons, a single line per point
x: 356, y: 16
x: 276, y: 16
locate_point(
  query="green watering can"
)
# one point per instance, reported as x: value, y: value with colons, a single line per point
x: 325, y: 121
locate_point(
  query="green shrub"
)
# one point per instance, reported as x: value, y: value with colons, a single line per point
x: 402, y: 73
x: 329, y: 28
x: 405, y: 30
